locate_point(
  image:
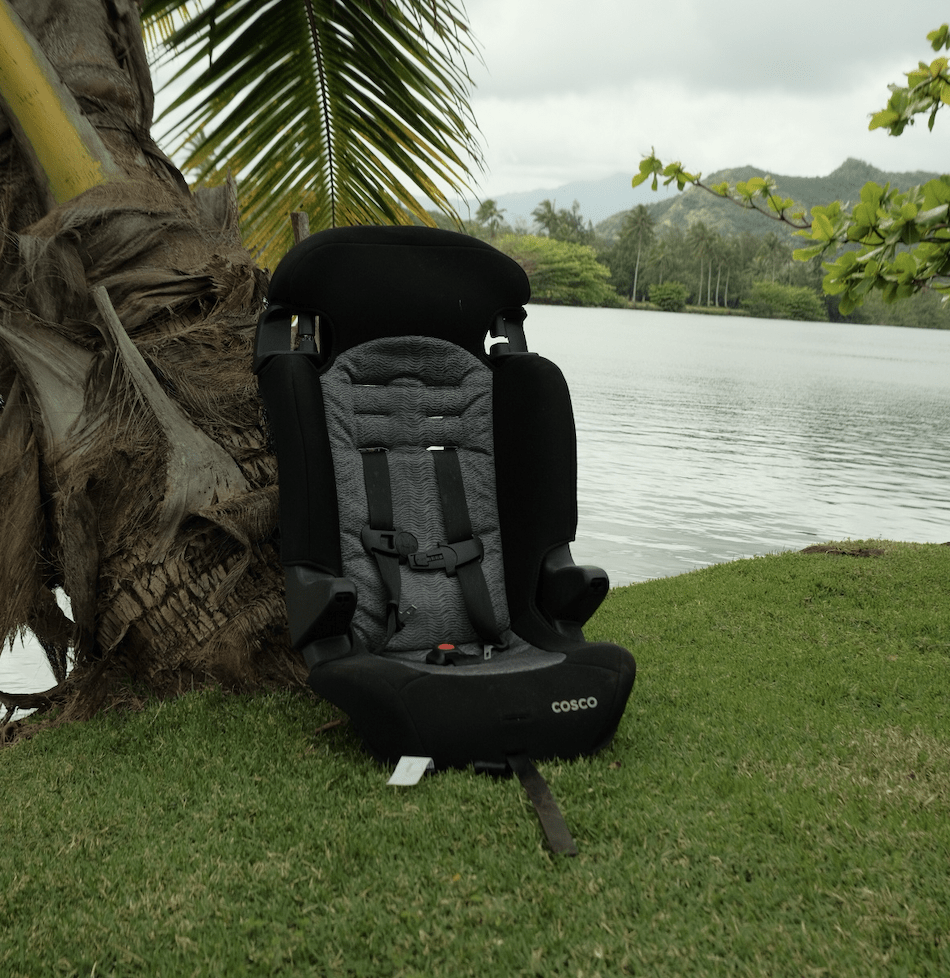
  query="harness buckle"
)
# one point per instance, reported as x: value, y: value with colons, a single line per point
x: 448, y: 557
x: 389, y: 543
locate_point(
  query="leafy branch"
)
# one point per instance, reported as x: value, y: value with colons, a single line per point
x: 746, y: 194
x: 892, y: 240
x: 928, y: 88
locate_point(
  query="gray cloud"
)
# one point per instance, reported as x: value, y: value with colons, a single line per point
x: 559, y: 46
x: 576, y: 89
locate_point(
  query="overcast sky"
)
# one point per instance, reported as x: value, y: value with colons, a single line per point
x: 579, y: 89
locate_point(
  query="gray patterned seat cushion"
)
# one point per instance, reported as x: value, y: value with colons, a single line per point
x: 410, y: 395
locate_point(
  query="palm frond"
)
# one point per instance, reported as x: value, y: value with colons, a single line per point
x: 337, y: 107
x: 159, y: 27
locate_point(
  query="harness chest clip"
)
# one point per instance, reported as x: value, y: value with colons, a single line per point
x: 448, y: 557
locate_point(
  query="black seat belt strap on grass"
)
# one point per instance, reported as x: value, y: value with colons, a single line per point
x: 461, y: 539
x: 552, y: 821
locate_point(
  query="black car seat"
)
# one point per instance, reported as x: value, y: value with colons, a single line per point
x: 428, y: 503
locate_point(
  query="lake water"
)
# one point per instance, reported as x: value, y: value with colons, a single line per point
x: 704, y: 439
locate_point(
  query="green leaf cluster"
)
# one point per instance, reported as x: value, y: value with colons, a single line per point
x: 894, y: 241
x: 763, y: 188
x: 771, y: 300
x: 561, y: 273
x: 928, y: 87
x: 669, y: 296
x: 756, y: 193
x: 652, y: 169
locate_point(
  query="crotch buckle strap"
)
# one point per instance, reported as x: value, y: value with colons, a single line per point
x: 448, y: 557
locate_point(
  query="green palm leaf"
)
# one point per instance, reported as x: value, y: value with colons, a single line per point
x: 335, y: 107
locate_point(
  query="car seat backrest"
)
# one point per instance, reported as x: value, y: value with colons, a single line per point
x: 412, y: 397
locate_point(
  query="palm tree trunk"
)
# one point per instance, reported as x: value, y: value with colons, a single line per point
x: 64, y: 151
x: 131, y: 440
x: 636, y: 272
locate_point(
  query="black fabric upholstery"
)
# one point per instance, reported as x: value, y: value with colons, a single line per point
x: 309, y: 530
x: 535, y: 475
x: 364, y: 284
x: 459, y: 716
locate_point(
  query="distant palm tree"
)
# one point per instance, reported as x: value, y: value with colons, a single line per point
x: 637, y: 229
x: 774, y: 256
x: 663, y: 257
x: 703, y: 242
x: 563, y: 225
x: 489, y: 215
x: 546, y: 217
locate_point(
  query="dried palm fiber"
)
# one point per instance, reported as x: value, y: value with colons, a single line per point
x: 134, y: 471
x: 149, y: 468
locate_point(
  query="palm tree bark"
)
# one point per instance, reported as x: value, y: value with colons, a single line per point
x: 636, y: 274
x: 134, y: 467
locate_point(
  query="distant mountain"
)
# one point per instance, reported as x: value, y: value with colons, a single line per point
x: 693, y: 205
x: 598, y: 199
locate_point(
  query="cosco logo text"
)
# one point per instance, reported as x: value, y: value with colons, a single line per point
x: 568, y: 706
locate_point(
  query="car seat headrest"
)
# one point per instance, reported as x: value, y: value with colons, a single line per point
x: 366, y: 283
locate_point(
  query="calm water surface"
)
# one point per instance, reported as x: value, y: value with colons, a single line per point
x: 705, y: 439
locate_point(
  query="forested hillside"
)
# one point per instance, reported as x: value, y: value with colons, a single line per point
x: 693, y: 205
x: 697, y: 251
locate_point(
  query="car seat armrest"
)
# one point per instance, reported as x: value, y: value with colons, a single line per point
x: 320, y: 610
x: 569, y: 593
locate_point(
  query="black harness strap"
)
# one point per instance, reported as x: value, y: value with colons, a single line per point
x: 379, y: 493
x: 466, y: 546
x: 380, y: 537
x: 552, y: 821
x: 460, y: 556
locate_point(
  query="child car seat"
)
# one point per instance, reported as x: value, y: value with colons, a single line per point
x: 428, y: 502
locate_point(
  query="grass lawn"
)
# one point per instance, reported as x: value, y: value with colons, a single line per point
x: 776, y: 803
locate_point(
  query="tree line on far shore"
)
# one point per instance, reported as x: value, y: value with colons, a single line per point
x: 671, y: 268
